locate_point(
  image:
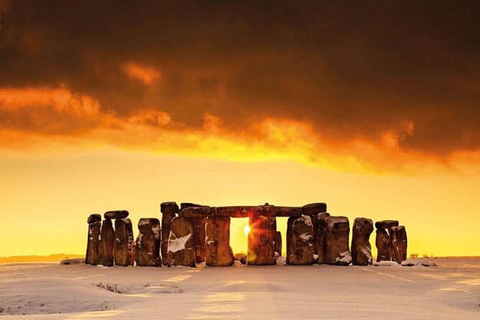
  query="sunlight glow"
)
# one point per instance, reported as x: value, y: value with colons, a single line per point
x: 246, y: 229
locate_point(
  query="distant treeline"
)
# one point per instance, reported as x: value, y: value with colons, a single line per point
x: 51, y: 258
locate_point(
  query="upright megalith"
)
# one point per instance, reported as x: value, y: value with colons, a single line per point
x: 169, y: 211
x: 181, y: 244
x: 277, y: 243
x: 106, y: 243
x: 398, y: 240
x: 199, y: 222
x: 336, y: 241
x: 320, y: 232
x: 92, y: 256
x: 361, y: 248
x: 218, y: 250
x: 124, y: 244
x: 148, y: 242
x: 299, y: 240
x: 383, y: 241
x: 261, y: 240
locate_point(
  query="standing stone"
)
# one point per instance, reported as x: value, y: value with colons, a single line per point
x: 218, y: 250
x: 299, y: 240
x: 320, y: 235
x: 169, y: 210
x: 336, y: 241
x: 181, y: 250
x: 124, y: 246
x: 106, y: 243
x: 199, y: 238
x: 382, y: 242
x: 277, y: 244
x: 398, y: 236
x: 199, y: 232
x: 92, y: 256
x: 260, y: 240
x: 148, y: 242
x: 361, y: 248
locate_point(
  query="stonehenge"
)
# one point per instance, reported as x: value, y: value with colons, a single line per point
x: 361, y: 248
x: 148, y: 242
x: 337, y: 250
x: 261, y: 240
x: 391, y: 241
x: 192, y: 234
x: 92, y: 256
x: 107, y: 240
x: 124, y: 245
x: 169, y: 211
x: 181, y: 244
x: 217, y: 241
x: 300, y: 240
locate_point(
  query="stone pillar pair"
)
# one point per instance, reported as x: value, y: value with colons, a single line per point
x: 391, y: 241
x: 262, y: 240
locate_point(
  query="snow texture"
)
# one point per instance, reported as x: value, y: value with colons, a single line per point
x: 177, y: 244
x: 305, y: 237
x: 78, y: 291
x: 345, y: 257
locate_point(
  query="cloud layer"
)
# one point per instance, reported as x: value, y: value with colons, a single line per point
x: 382, y: 85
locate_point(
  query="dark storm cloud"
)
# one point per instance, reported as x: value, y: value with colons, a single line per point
x: 354, y: 69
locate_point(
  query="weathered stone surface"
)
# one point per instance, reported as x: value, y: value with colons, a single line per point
x: 260, y: 241
x: 218, y: 250
x: 314, y: 208
x: 124, y: 246
x: 94, y: 218
x: 336, y: 241
x: 185, y: 205
x: 361, y: 248
x: 320, y: 231
x: 106, y: 243
x: 277, y: 242
x: 398, y: 240
x: 92, y: 255
x: 199, y: 238
x: 286, y: 212
x: 169, y: 210
x: 181, y: 250
x: 382, y: 242
x: 116, y: 214
x: 385, y: 224
x: 148, y: 242
x: 197, y: 212
x: 300, y: 240
x: 237, y: 211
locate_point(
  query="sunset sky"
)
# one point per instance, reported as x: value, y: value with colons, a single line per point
x: 371, y: 107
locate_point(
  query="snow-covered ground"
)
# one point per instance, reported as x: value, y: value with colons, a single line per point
x: 52, y: 291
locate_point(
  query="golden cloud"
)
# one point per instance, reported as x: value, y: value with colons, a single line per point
x: 34, y: 115
x: 148, y: 75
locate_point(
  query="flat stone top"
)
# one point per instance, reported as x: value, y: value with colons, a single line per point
x: 337, y: 223
x: 94, y: 217
x: 116, y: 214
x: 385, y: 224
x: 169, y: 207
x: 314, y: 208
x: 185, y: 205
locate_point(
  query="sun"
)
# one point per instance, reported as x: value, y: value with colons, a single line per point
x: 246, y: 229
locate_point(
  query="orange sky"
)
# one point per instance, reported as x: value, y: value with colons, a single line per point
x: 371, y: 109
